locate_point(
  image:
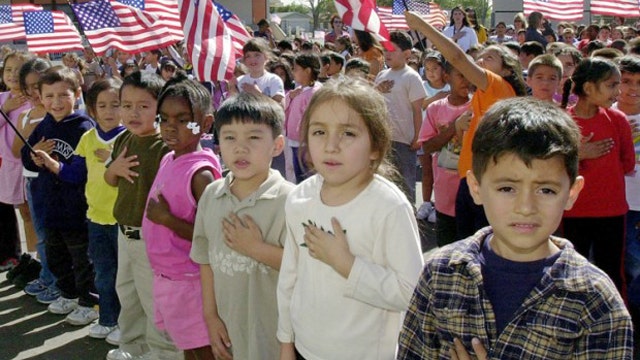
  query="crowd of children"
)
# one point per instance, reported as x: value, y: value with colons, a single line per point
x: 295, y: 235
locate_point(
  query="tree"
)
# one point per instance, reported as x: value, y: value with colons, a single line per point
x: 321, y: 11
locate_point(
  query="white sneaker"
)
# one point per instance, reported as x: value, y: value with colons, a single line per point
x: 98, y: 331
x: 82, y: 315
x: 117, y: 354
x: 63, y: 306
x: 114, y: 337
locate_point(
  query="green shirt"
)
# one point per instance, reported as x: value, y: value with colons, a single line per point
x: 132, y: 197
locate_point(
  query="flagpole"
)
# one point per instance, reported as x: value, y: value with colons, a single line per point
x: 104, y: 70
x: 404, y: 2
x: 4, y: 115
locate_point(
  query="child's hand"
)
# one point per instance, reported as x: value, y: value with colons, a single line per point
x: 462, y: 123
x: 330, y: 248
x: 102, y: 154
x: 47, y: 161
x: 45, y: 145
x: 13, y: 103
x: 158, y: 210
x: 37, y: 159
x: 220, y: 343
x: 251, y: 88
x: 242, y: 235
x: 295, y: 92
x: 594, y: 149
x: 122, y: 165
x: 385, y: 86
x: 458, y: 351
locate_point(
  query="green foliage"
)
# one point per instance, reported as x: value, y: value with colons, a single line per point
x: 293, y: 7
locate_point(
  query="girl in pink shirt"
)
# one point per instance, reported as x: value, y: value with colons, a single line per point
x: 306, y: 68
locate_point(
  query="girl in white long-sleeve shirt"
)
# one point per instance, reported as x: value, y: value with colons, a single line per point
x: 352, y: 256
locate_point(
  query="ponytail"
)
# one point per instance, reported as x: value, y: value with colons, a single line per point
x: 566, y: 91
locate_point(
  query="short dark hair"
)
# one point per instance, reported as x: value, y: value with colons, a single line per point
x: 193, y: 92
x: 151, y: 82
x: 57, y: 74
x: 251, y: 108
x: 401, y: 39
x: 629, y: 64
x: 337, y: 58
x: 529, y: 128
x: 357, y: 64
x: 532, y: 48
x: 94, y: 91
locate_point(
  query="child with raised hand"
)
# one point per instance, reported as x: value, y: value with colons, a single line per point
x: 43, y: 288
x: 352, y: 255
x: 596, y: 224
x: 513, y: 290
x: 496, y: 75
x: 12, y: 103
x: 306, y: 68
x: 240, y: 231
x: 65, y: 205
x: 184, y: 113
x: 132, y: 168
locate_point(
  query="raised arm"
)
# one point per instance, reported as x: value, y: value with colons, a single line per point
x: 450, y: 50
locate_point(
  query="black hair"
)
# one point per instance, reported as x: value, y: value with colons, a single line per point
x: 309, y: 61
x: 337, y: 58
x: 629, y: 64
x: 285, y: 45
x: 593, y: 70
x: 532, y: 48
x: 198, y: 97
x: 151, y: 82
x: 357, y: 64
x: 529, y: 128
x: 286, y: 67
x: 401, y: 39
x: 251, y: 108
x: 34, y: 65
x: 94, y: 91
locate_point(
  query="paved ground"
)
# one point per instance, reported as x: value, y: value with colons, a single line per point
x: 29, y: 331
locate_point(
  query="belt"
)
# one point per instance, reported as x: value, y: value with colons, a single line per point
x: 131, y: 232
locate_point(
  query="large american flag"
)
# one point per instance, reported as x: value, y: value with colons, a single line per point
x: 236, y: 29
x: 50, y: 31
x: 115, y: 25
x: 562, y: 10
x: 361, y: 15
x: 393, y: 18
x: 208, y: 40
x: 624, y: 8
x: 166, y: 10
x: 12, y: 21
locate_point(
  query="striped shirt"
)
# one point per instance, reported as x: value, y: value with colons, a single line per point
x: 575, y: 312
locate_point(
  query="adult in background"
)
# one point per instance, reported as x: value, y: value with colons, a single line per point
x: 459, y: 29
x: 481, y: 31
x: 337, y: 30
x: 533, y: 33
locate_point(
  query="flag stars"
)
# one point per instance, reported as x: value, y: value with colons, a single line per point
x: 38, y: 22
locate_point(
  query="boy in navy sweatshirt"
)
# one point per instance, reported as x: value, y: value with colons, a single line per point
x: 65, y: 206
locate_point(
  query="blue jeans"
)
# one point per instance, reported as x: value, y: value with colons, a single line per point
x: 405, y: 161
x: 103, y: 252
x: 299, y: 167
x: 46, y: 277
x: 632, y: 253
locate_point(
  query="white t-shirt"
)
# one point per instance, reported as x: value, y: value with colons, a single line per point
x: 270, y: 84
x: 468, y: 40
x: 328, y: 316
x: 632, y: 181
x: 407, y: 88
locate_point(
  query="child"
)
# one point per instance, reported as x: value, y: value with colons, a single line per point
x: 434, y: 83
x: 43, y: 288
x: 403, y: 91
x: 438, y: 137
x: 341, y: 292
x: 544, y: 75
x: 133, y: 165
x: 103, y: 104
x: 336, y: 64
x: 570, y: 57
x: 496, y: 75
x: 306, y: 68
x: 513, y: 288
x: 65, y: 206
x: 12, y: 103
x: 596, y: 222
x: 240, y: 231
x: 184, y: 113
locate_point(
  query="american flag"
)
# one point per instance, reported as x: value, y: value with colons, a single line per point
x: 238, y: 32
x: 562, y: 10
x: 166, y: 10
x: 624, y: 8
x: 208, y: 40
x: 12, y: 22
x: 50, y: 31
x: 361, y: 15
x: 113, y: 24
x: 393, y: 18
